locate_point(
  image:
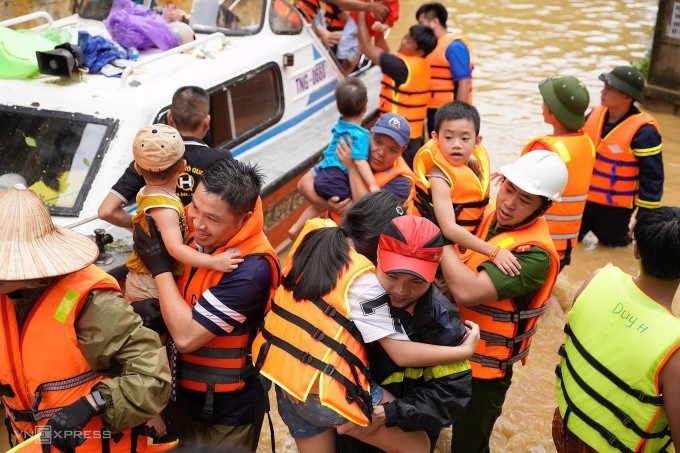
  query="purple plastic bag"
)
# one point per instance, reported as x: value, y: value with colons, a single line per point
x: 132, y: 25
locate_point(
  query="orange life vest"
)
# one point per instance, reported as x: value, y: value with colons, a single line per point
x: 308, y: 8
x: 334, y: 22
x: 615, y: 174
x: 410, y: 98
x: 382, y: 178
x: 284, y: 8
x: 222, y: 365
x: 578, y: 154
x: 469, y: 194
x: 305, y: 340
x: 499, y: 321
x: 42, y: 368
x: 442, y: 86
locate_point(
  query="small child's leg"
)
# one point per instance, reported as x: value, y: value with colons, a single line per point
x: 158, y: 426
x: 307, y: 214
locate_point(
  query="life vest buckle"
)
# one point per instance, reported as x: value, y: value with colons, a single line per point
x: 318, y: 335
x: 628, y: 422
x: 515, y: 317
x: 330, y: 311
x: 612, y: 440
x: 306, y: 358
x: 329, y: 369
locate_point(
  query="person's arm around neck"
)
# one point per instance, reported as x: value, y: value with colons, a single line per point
x: 187, y: 334
x: 468, y: 289
x: 111, y: 210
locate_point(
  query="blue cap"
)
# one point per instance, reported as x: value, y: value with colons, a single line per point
x: 395, y: 126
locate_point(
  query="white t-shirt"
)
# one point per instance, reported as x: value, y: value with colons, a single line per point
x: 369, y: 309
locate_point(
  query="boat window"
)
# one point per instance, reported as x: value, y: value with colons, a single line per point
x: 245, y: 106
x: 284, y: 19
x: 55, y: 154
x: 231, y: 17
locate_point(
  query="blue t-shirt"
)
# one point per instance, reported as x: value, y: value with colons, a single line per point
x: 359, y: 137
x: 458, y: 56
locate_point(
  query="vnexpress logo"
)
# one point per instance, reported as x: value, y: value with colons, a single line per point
x: 47, y: 435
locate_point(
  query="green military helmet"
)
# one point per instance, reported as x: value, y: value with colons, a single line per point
x: 627, y: 80
x: 567, y: 98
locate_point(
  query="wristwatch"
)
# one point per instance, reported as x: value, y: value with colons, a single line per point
x: 99, y: 401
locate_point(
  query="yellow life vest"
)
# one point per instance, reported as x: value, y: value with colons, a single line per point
x: 615, y: 174
x: 499, y: 321
x: 442, y: 86
x: 410, y: 98
x: 305, y: 342
x: 469, y: 194
x: 618, y: 340
x: 564, y: 217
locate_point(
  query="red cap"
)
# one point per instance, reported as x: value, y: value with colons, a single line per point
x: 411, y: 245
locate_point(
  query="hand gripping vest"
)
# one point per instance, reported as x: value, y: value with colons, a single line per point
x: 469, y: 195
x: 42, y: 368
x: 410, y: 98
x: 382, y: 178
x: 618, y: 339
x: 499, y: 321
x: 615, y: 175
x: 222, y: 364
x: 305, y: 340
x: 442, y: 86
x: 578, y: 154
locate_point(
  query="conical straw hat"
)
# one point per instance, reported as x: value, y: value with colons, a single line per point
x: 31, y: 246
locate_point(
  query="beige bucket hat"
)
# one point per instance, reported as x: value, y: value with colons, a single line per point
x: 157, y: 147
x: 31, y: 246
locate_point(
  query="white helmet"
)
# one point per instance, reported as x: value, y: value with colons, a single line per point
x: 538, y: 172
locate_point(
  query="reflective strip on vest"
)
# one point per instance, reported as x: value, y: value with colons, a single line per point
x: 434, y: 372
x: 563, y: 218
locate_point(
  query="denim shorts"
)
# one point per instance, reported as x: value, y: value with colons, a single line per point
x: 309, y: 418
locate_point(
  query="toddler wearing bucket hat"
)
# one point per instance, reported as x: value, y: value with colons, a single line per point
x: 158, y: 151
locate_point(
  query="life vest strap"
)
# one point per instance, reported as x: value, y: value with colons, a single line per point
x: 492, y: 362
x: 32, y: 416
x: 397, y: 90
x: 401, y: 104
x: 331, y: 312
x: 320, y: 336
x: 601, y: 430
x: 509, y: 316
x: 220, y: 353
x: 592, y: 361
x: 354, y: 391
x: 494, y: 339
x: 624, y: 418
x: 622, y: 163
x: 63, y: 384
x: 614, y: 178
x: 214, y: 375
x: 473, y: 204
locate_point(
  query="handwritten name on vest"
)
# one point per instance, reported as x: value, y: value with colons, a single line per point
x: 630, y: 319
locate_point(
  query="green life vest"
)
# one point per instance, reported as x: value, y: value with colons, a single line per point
x: 618, y: 339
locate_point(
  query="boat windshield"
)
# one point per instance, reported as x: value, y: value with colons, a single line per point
x: 55, y: 154
x: 231, y: 17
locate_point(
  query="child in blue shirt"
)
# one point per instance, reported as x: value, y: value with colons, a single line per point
x: 331, y: 178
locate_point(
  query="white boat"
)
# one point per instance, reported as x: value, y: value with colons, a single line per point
x: 271, y: 83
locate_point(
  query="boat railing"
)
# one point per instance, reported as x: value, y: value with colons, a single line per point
x: 29, y: 17
x: 179, y: 49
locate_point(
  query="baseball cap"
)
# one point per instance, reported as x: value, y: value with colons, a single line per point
x: 410, y: 245
x: 395, y: 126
x: 157, y: 147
